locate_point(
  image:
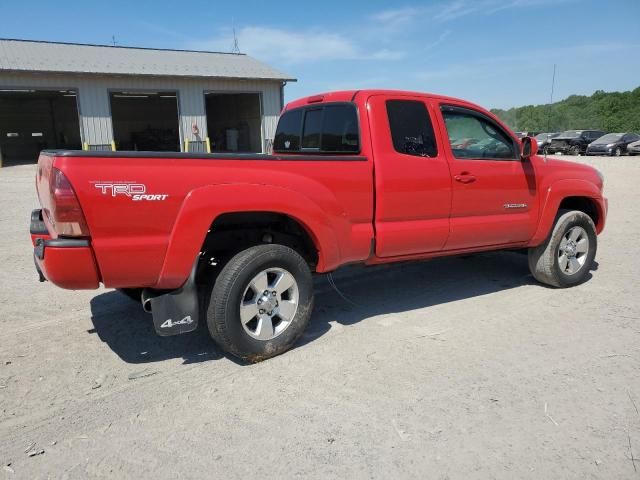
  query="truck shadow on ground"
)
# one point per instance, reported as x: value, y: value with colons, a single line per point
x: 362, y: 292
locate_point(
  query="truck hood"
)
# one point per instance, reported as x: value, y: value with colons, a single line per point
x: 575, y: 170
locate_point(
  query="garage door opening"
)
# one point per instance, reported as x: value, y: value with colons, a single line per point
x: 234, y: 122
x: 35, y: 120
x: 145, y: 121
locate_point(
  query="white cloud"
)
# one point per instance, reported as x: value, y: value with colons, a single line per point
x: 497, y: 66
x: 292, y: 47
x: 448, y: 11
x: 396, y: 18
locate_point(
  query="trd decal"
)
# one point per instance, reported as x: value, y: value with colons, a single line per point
x: 136, y: 191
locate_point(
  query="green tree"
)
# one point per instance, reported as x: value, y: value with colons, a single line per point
x: 609, y: 111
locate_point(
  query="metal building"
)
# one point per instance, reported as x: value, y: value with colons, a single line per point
x: 61, y: 95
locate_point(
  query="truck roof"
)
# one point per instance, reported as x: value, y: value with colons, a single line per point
x: 350, y: 96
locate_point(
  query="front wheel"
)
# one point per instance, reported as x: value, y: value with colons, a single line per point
x: 617, y: 152
x: 261, y: 302
x: 575, y: 150
x: 565, y: 258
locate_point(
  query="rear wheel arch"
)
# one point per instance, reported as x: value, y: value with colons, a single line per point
x: 204, y: 205
x: 233, y: 232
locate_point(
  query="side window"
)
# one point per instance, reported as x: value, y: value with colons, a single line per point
x: 472, y: 136
x: 411, y: 128
x: 288, y: 135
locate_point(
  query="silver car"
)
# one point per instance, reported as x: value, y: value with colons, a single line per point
x: 634, y: 148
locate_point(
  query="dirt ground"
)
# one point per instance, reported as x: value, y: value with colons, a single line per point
x: 456, y: 368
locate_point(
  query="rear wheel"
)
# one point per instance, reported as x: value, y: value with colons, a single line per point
x: 261, y: 302
x: 565, y: 258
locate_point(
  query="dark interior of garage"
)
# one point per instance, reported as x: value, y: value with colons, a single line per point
x: 32, y: 120
x: 145, y: 121
x: 234, y: 122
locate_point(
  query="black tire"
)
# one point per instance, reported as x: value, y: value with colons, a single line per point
x: 134, y: 294
x: 223, y: 313
x: 575, y: 150
x: 617, y: 152
x: 544, y: 260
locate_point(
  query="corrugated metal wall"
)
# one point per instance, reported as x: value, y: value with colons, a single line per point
x: 94, y: 106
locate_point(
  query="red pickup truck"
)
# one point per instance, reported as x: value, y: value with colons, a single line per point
x: 355, y: 176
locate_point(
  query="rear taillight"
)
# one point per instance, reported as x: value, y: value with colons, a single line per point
x: 65, y: 213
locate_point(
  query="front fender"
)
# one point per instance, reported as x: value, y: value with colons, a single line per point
x: 557, y: 192
x: 203, y: 205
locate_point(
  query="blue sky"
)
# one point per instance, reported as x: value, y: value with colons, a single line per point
x: 499, y: 53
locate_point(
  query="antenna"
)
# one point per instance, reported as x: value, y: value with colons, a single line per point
x: 553, y: 84
x: 113, y: 41
x: 236, y: 48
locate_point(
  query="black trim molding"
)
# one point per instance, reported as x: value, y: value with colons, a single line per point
x: 37, y: 226
x: 42, y: 244
x: 327, y: 157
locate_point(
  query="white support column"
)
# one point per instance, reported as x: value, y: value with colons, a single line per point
x: 95, y: 116
x: 192, y: 112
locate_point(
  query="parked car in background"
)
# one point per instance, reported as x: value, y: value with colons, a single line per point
x: 634, y: 148
x: 544, y: 139
x: 573, y: 142
x: 526, y: 134
x: 614, y: 144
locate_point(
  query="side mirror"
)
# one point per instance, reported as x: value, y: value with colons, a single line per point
x: 529, y: 147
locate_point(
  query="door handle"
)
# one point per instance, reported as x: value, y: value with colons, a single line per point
x: 465, y: 177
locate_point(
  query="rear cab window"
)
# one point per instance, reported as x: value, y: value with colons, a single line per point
x: 320, y: 128
x: 473, y: 135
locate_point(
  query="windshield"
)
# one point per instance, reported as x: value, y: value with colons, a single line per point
x: 609, y: 138
x: 543, y: 136
x: 571, y: 134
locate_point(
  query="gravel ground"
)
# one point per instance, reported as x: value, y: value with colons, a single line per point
x: 456, y: 368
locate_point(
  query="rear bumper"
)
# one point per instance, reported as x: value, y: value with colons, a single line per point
x: 66, y: 262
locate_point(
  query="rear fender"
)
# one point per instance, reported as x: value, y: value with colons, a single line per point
x: 203, y: 205
x: 557, y: 192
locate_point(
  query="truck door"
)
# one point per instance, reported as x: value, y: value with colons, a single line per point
x: 494, y: 191
x: 412, y: 178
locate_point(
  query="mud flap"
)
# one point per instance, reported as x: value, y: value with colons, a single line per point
x: 177, y: 311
